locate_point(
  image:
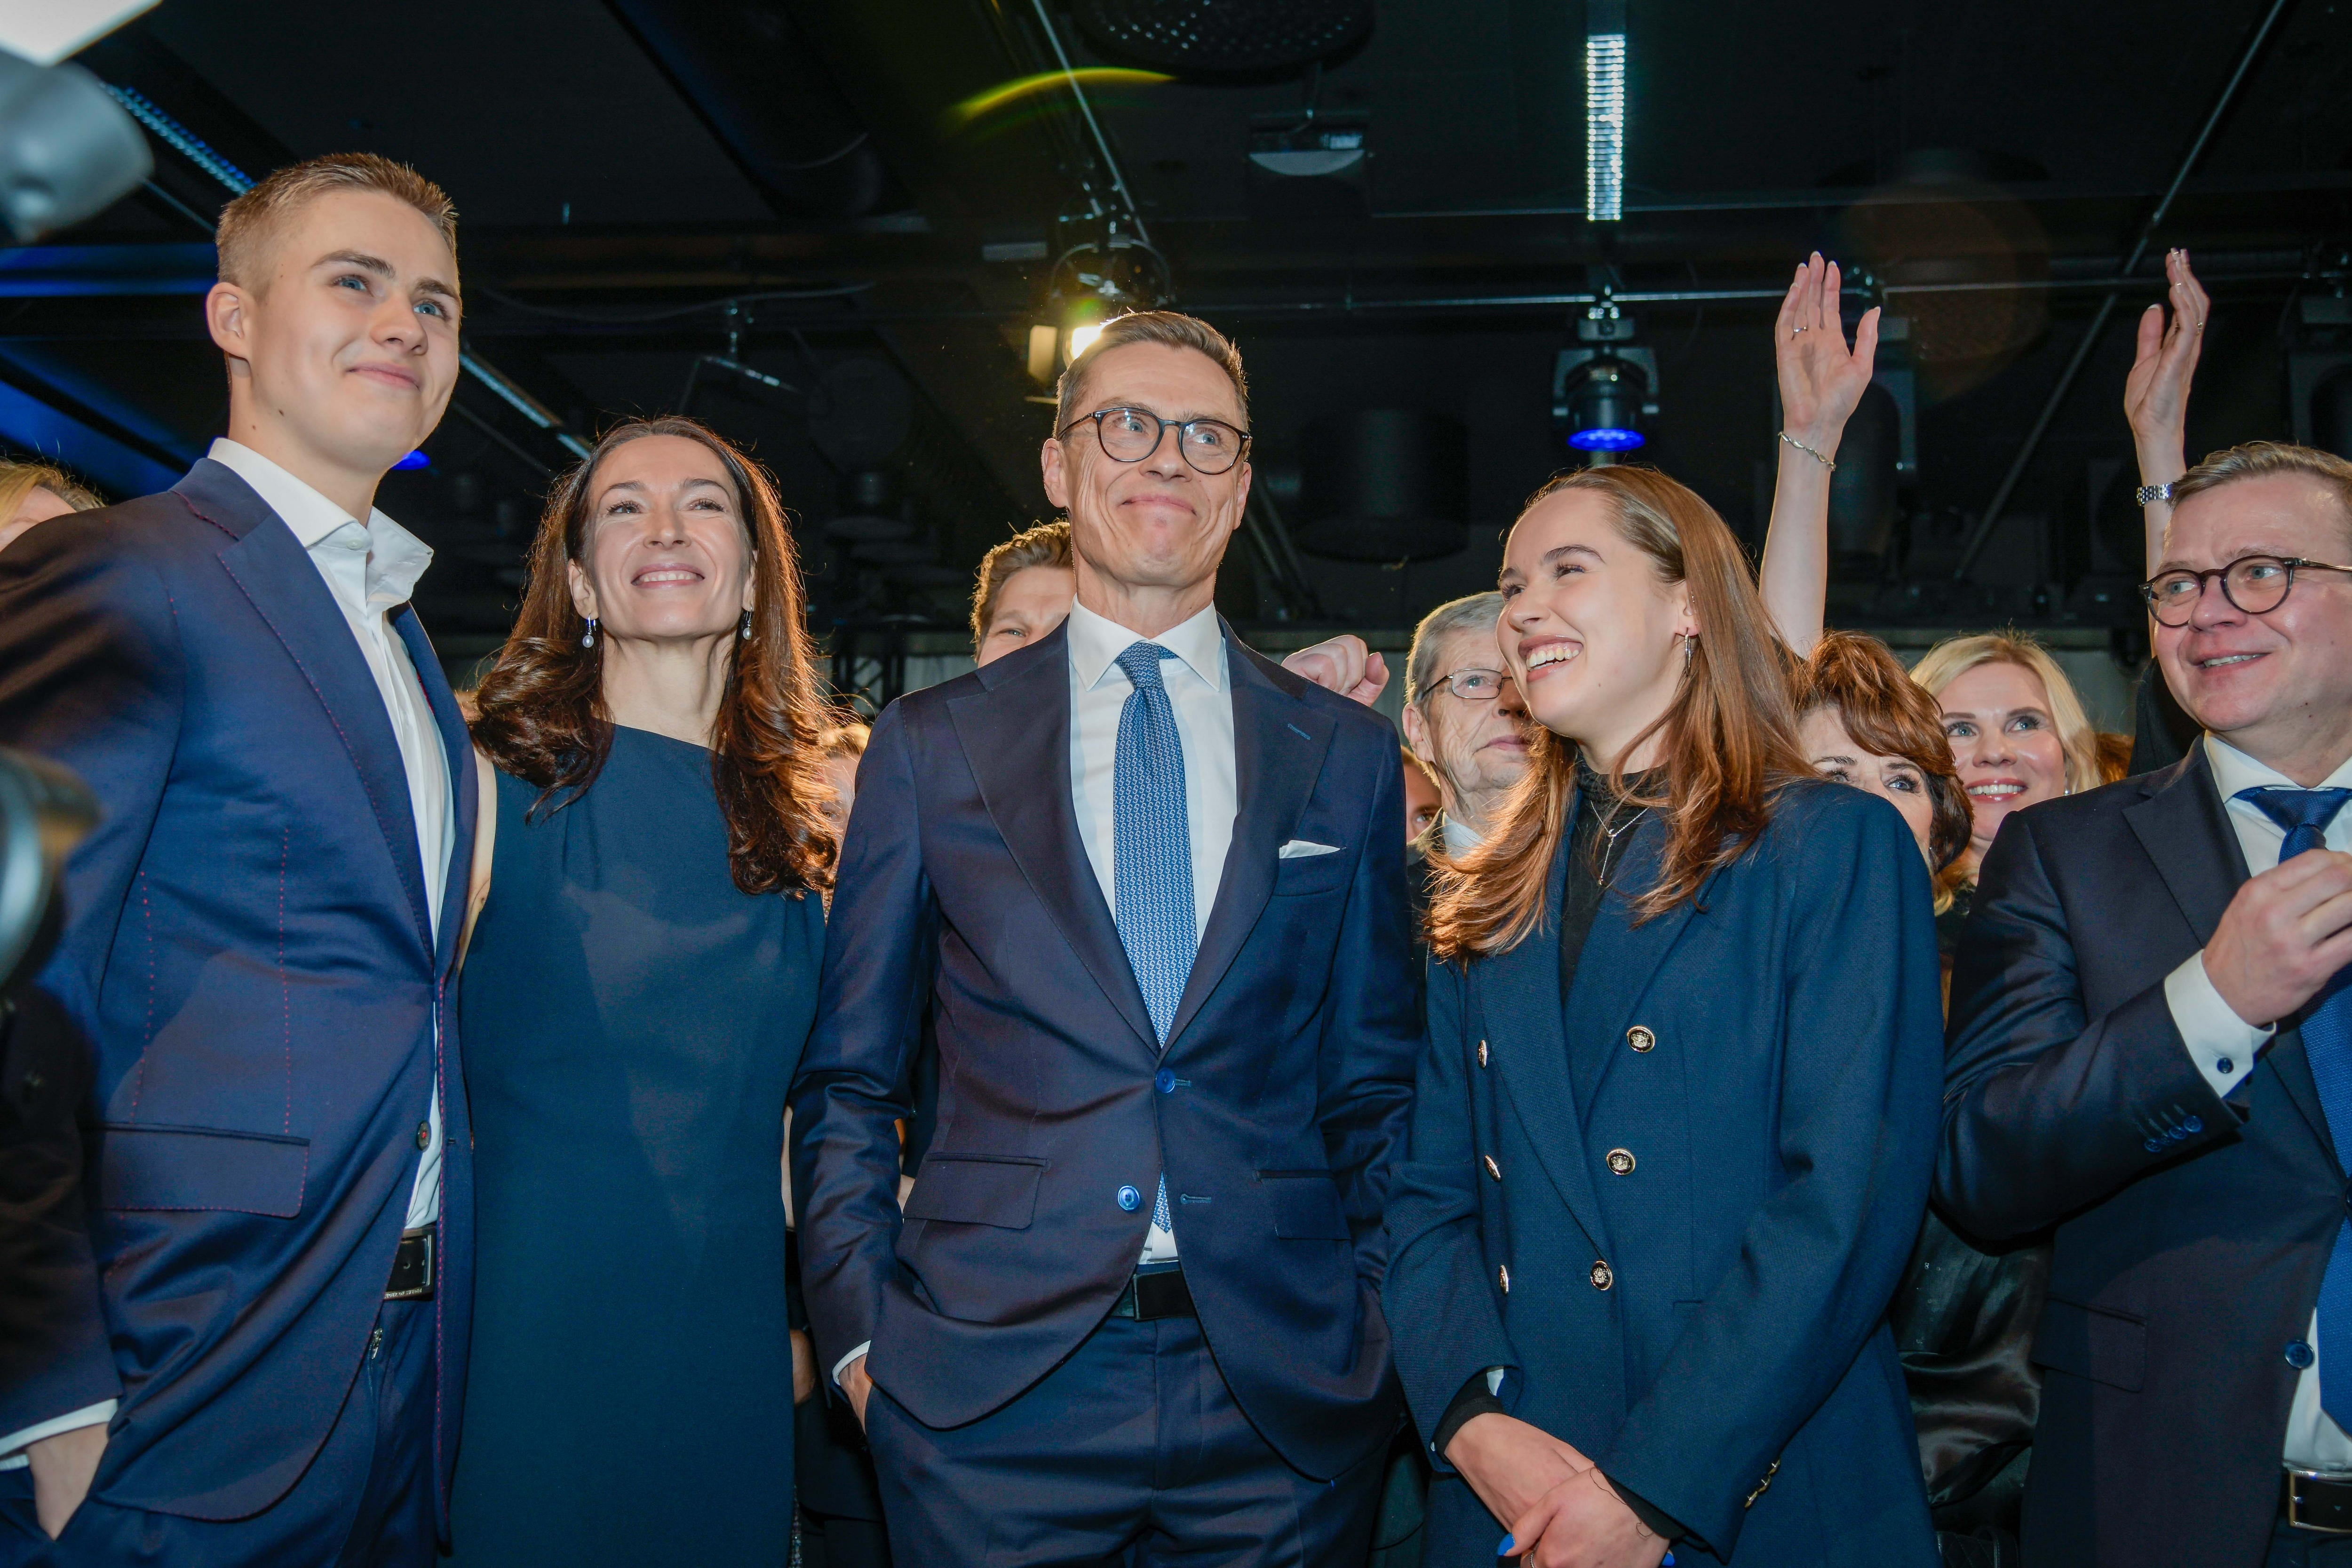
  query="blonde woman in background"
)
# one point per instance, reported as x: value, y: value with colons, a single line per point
x: 2018, y: 732
x: 35, y: 492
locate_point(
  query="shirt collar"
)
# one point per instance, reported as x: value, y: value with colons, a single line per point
x: 2233, y: 771
x: 1096, y: 641
x: 1460, y: 836
x: 396, y: 558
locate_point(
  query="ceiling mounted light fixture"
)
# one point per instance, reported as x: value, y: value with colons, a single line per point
x: 1605, y: 110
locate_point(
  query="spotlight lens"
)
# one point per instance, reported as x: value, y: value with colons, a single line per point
x: 1606, y: 438
x: 412, y: 461
x: 1082, y: 338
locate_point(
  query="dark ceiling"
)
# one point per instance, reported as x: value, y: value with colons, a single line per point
x: 626, y: 167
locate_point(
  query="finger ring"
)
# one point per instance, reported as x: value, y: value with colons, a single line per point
x: 1794, y: 331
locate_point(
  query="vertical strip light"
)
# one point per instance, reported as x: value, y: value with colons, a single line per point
x: 1605, y: 110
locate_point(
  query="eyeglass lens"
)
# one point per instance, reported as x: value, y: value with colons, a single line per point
x: 1475, y: 685
x: 2254, y: 585
x: 1132, y: 435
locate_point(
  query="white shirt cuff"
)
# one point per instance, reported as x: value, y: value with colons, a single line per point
x: 843, y: 1364
x: 13, y: 1446
x: 2223, y: 1044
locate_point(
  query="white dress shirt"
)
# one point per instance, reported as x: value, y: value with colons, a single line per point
x: 369, y: 570
x: 1459, y: 837
x: 1201, y: 693
x: 2225, y: 1047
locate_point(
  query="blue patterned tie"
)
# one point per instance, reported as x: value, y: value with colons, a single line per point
x: 2304, y: 813
x: 1152, y: 851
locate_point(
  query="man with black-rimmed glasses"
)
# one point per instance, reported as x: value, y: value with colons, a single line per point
x: 2151, y: 1026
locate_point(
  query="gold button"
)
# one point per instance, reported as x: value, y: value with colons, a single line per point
x: 424, y: 1134
x: 1482, y: 1052
x: 1640, y: 1039
x: 1763, y: 1486
x: 1601, y: 1277
x: 1492, y: 1169
x: 1620, y: 1162
x: 1503, y: 1273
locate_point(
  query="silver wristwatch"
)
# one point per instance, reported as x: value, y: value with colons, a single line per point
x: 2148, y: 495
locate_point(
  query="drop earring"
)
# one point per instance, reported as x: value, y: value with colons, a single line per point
x: 588, y: 639
x: 746, y: 631
x: 1690, y: 641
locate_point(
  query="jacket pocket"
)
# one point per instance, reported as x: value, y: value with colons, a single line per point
x: 1306, y: 1206
x: 1304, y: 874
x: 200, y: 1169
x: 2105, y: 1346
x: 977, y: 1189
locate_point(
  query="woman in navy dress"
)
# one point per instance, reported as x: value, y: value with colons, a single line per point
x: 640, y: 982
x: 1672, y: 1141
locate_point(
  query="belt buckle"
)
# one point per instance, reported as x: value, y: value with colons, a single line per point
x: 2294, y: 1478
x: 412, y: 1267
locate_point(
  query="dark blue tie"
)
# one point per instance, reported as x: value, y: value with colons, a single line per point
x: 2304, y: 813
x: 1152, y: 851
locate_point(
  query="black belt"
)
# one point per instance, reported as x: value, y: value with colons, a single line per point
x: 2322, y: 1503
x: 412, y: 1268
x: 1161, y: 1293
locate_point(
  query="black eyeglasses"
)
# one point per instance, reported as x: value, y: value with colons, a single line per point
x: 2254, y: 586
x: 1132, y: 435
x: 1472, y: 685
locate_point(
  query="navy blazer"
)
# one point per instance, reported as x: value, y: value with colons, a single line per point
x: 242, y: 1002
x: 1274, y: 1110
x: 1687, y: 1278
x: 2192, y: 1231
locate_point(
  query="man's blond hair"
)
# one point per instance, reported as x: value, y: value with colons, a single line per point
x: 250, y: 223
x: 1047, y: 545
x: 1169, y: 328
x: 2261, y: 459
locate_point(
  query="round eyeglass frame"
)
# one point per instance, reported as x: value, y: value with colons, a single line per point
x: 1448, y: 681
x: 1184, y: 428
x: 2291, y: 563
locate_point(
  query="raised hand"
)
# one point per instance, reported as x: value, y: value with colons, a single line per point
x: 1821, y: 381
x: 2155, y: 394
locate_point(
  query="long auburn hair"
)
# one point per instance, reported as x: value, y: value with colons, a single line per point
x: 1730, y: 733
x: 541, y: 710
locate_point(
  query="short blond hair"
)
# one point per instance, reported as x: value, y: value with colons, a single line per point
x: 1171, y: 328
x: 253, y: 220
x: 1955, y: 657
x: 2261, y: 459
x: 1047, y: 545
x: 19, y: 480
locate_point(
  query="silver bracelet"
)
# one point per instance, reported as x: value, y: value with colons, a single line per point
x: 1829, y: 463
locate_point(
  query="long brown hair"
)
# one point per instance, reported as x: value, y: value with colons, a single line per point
x: 1730, y: 733
x: 541, y: 708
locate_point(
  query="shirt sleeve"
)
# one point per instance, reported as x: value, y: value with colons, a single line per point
x: 2223, y: 1044
x: 13, y: 1446
x: 843, y: 1364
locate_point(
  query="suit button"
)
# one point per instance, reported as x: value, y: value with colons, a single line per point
x: 2194, y: 1124
x: 1601, y: 1277
x: 2299, y: 1356
x: 1503, y: 1277
x: 2225, y: 1065
x: 1492, y: 1169
x: 1640, y: 1039
x: 1164, y: 1081
x: 1620, y: 1162
x: 424, y: 1134
x: 2154, y: 1145
x: 1482, y: 1052
x: 1129, y: 1199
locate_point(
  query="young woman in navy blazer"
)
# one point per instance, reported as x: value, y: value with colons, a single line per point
x: 1673, y: 1134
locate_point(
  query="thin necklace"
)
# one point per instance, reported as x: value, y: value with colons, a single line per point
x: 1609, y: 850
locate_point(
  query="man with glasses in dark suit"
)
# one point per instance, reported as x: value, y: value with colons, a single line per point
x: 2152, y: 1051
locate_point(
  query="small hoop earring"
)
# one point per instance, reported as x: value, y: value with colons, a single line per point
x: 588, y: 639
x: 747, y: 626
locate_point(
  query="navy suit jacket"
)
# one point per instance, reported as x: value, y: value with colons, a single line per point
x: 1285, y: 1084
x: 2192, y: 1231
x: 237, y: 1044
x: 1705, y: 1321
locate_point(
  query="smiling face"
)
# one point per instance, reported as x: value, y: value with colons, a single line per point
x: 342, y: 354
x: 1591, y: 632
x: 2005, y: 744
x: 1030, y: 604
x: 1157, y: 525
x: 1837, y: 757
x: 1478, y: 748
x: 666, y: 556
x: 40, y: 505
x: 2278, y: 685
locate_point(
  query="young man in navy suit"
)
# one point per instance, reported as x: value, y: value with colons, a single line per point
x: 2151, y: 1050
x: 1151, y: 886
x: 237, y: 1176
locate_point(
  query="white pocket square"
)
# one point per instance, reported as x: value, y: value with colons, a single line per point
x: 1299, y: 849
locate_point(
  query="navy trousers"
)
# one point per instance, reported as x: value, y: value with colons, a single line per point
x: 366, y: 1501
x: 1131, y: 1453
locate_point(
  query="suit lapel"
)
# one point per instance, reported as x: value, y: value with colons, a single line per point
x: 269, y: 565
x: 1620, y: 957
x: 1278, y: 747
x: 2186, y: 832
x: 1519, y: 1008
x: 458, y: 748
x: 1015, y: 732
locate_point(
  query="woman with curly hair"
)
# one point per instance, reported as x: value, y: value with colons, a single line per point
x: 640, y: 982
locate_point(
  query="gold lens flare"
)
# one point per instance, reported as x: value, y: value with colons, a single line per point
x: 1027, y: 89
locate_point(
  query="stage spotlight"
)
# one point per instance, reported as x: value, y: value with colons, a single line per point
x: 1083, y: 337
x: 1605, y: 110
x: 67, y: 149
x: 1600, y: 395
x: 1104, y: 272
